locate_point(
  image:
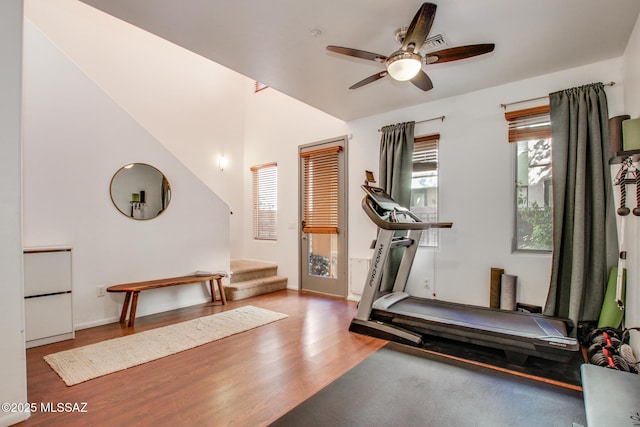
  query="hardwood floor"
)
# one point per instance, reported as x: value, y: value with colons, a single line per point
x: 249, y: 379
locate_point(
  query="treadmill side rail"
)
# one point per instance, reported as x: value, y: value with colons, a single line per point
x: 385, y: 331
x: 384, y: 302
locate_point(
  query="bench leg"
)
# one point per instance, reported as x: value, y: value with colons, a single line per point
x: 223, y: 299
x: 213, y: 290
x: 134, y: 305
x: 125, y: 307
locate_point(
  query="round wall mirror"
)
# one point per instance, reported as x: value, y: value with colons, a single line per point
x: 140, y: 191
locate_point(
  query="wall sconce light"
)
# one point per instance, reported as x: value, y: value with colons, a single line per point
x: 222, y: 162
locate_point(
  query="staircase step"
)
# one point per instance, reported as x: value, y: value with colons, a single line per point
x: 248, y: 269
x: 249, y: 288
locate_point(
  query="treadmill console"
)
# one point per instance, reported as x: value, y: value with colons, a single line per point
x: 381, y: 198
x: 388, y: 214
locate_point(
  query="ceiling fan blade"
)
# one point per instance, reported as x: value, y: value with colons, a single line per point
x: 357, y: 53
x: 460, y: 52
x: 420, y: 27
x: 422, y: 81
x: 369, y: 79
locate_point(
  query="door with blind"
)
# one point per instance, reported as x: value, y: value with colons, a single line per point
x: 323, y: 234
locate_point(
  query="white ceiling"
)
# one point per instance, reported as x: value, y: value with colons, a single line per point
x: 273, y: 42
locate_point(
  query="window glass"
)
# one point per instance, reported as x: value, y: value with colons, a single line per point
x: 424, y: 185
x: 533, y: 195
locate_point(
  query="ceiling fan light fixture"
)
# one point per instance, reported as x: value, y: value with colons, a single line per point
x: 403, y: 66
x: 416, y: 49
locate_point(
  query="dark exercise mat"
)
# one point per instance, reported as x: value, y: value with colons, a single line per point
x: 404, y: 386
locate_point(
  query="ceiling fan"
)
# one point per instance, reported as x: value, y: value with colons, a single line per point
x: 406, y: 63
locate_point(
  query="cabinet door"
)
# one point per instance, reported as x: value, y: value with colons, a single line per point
x: 48, y: 316
x: 47, y: 272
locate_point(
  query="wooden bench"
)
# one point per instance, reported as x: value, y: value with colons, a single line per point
x: 133, y: 289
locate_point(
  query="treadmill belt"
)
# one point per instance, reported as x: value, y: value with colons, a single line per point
x: 505, y: 322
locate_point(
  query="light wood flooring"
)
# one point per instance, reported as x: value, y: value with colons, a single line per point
x: 249, y: 379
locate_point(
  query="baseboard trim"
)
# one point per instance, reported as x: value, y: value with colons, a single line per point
x: 95, y: 323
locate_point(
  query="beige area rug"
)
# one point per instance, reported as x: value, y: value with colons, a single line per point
x: 84, y: 363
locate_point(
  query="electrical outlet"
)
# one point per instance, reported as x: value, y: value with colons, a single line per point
x: 426, y: 284
x: 100, y: 291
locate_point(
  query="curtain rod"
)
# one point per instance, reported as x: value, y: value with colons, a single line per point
x: 504, y: 106
x: 441, y: 118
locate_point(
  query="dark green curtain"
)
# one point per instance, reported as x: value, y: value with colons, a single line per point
x: 396, y: 167
x: 584, y: 227
x: 396, y: 161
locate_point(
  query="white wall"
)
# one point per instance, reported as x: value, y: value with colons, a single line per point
x: 189, y: 104
x: 275, y: 125
x: 13, y: 370
x: 76, y: 137
x: 475, y: 183
x: 631, y: 72
x: 632, y: 108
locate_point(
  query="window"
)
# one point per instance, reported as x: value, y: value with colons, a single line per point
x: 260, y: 86
x: 265, y: 201
x: 424, y: 184
x: 530, y: 131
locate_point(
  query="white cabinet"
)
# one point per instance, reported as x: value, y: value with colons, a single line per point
x: 47, y: 292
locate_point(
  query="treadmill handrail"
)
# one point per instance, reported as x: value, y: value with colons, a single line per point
x: 367, y: 206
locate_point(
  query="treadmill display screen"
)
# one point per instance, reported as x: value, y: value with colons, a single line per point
x: 381, y: 198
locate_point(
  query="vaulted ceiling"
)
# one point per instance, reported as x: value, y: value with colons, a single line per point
x: 282, y: 43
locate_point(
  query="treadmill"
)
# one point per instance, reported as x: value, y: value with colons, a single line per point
x: 394, y: 315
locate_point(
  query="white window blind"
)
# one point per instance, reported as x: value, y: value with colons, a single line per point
x: 265, y: 201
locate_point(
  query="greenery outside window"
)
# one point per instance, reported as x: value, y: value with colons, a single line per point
x: 265, y: 201
x: 424, y: 185
x: 530, y: 131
